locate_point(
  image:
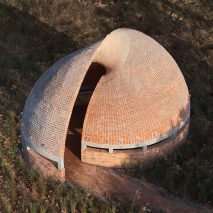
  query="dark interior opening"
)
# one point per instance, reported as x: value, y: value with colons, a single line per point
x: 73, y: 141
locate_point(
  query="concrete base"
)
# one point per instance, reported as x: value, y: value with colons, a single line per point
x: 44, y: 166
x: 102, y: 157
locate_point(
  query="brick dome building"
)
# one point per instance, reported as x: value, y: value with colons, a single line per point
x: 119, y: 99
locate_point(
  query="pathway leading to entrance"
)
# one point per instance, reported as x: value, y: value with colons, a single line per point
x: 107, y: 183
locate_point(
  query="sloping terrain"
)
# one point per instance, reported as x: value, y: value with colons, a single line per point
x: 34, y: 34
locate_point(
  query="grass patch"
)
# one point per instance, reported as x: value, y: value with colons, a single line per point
x: 34, y: 34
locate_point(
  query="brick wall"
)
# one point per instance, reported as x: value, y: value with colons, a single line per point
x: 102, y: 157
x: 44, y: 166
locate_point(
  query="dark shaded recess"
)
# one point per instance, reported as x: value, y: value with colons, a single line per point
x: 73, y: 141
x: 29, y: 47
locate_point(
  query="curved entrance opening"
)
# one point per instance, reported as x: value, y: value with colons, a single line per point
x: 73, y: 140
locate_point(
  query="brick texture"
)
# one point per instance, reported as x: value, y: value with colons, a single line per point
x: 118, y: 158
x: 142, y: 97
x: 44, y: 166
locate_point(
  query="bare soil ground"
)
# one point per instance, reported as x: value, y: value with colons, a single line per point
x: 106, y: 183
x: 35, y: 34
x: 110, y: 185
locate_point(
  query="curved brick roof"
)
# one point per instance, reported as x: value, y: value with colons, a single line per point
x: 143, y: 97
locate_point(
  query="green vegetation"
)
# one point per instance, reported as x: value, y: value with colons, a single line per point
x: 35, y: 34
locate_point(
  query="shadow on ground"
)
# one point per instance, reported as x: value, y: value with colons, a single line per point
x: 33, y: 35
x: 28, y: 48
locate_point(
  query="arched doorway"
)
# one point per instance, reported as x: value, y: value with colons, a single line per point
x: 73, y: 140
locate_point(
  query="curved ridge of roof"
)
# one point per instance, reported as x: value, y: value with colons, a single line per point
x: 140, y: 102
x: 49, y: 105
x: 142, y: 97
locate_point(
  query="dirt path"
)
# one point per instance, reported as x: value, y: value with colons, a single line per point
x: 108, y: 184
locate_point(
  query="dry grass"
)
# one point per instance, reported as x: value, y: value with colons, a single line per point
x: 34, y: 34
